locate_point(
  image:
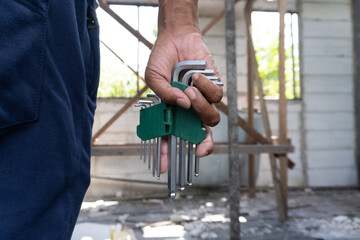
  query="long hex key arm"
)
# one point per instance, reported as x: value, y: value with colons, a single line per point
x: 185, y: 65
x: 158, y: 145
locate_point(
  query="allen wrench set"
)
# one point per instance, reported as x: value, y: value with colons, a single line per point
x: 158, y: 119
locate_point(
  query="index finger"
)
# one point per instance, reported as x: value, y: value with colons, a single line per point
x: 212, y: 92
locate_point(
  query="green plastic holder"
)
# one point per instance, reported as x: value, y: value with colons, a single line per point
x: 164, y: 119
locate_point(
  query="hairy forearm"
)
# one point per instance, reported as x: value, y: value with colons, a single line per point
x: 178, y: 16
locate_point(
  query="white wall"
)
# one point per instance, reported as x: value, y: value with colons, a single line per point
x: 327, y: 76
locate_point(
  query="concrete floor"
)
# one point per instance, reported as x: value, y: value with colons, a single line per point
x: 203, y: 214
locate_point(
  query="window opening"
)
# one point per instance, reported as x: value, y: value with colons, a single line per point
x: 122, y: 54
x: 265, y: 32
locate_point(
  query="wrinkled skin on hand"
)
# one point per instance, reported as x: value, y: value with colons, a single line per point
x: 169, y: 50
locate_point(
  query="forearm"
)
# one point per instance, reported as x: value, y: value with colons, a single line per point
x: 178, y: 16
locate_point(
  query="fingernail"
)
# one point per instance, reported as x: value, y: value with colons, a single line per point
x: 191, y: 94
x: 181, y: 102
x: 195, y: 76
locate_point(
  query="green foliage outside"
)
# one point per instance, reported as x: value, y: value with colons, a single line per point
x: 267, y: 54
x: 119, y: 84
x: 120, y: 81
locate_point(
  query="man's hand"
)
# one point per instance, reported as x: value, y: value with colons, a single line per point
x: 179, y: 39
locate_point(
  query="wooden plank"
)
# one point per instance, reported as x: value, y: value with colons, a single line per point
x: 250, y: 96
x: 105, y: 6
x: 281, y: 206
x: 256, y: 149
x: 219, y: 148
x: 212, y: 23
x: 293, y: 121
x: 215, y: 20
x: 244, y: 125
x: 251, y: 131
x: 282, y: 97
x: 234, y: 159
x: 282, y: 104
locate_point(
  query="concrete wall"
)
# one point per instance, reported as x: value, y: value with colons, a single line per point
x: 327, y: 76
x: 321, y: 124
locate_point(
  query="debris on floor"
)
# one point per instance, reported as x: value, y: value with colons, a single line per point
x: 203, y: 214
x: 96, y: 231
x: 339, y: 227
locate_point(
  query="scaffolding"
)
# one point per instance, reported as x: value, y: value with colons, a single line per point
x: 276, y: 151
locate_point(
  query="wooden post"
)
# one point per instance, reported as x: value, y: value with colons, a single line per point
x: 250, y: 100
x: 264, y: 113
x: 234, y: 160
x: 356, y: 22
x: 282, y: 102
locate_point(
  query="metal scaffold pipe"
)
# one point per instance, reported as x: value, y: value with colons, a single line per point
x: 234, y: 160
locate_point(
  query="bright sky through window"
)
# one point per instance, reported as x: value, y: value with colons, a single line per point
x: 266, y: 40
x: 116, y: 79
